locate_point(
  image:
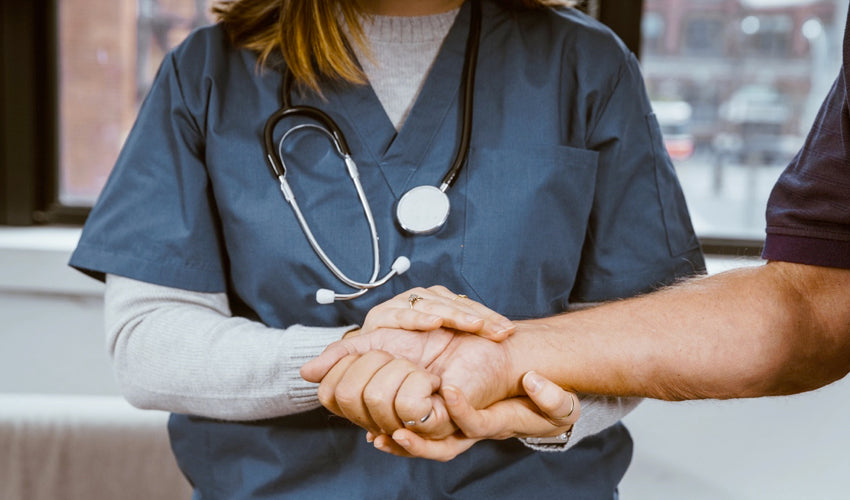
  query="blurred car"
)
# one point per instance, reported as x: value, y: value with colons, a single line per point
x: 674, y: 118
x: 753, y: 123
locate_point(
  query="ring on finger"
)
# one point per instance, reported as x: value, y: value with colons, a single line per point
x: 421, y: 420
x: 572, y: 408
x: 413, y: 299
x: 460, y: 296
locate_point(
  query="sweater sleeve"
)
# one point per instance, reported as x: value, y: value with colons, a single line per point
x: 600, y: 412
x: 597, y: 414
x: 183, y: 352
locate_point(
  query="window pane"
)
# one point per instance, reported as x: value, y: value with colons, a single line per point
x: 108, y: 55
x: 736, y: 85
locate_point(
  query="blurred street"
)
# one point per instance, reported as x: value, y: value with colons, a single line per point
x: 727, y: 200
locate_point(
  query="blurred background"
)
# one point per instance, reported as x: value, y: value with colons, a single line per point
x: 735, y: 85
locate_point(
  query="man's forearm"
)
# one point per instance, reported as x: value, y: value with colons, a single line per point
x: 776, y: 329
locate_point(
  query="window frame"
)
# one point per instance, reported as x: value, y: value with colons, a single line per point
x: 29, y: 139
x: 29, y: 125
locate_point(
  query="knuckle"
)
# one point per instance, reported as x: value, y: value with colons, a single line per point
x: 400, y: 314
x: 374, y: 396
x: 471, y: 428
x: 346, y: 397
x: 371, y: 314
x: 406, y: 404
x: 474, y: 432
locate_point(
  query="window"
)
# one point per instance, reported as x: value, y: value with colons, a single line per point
x: 108, y: 55
x: 736, y: 85
x: 72, y: 75
x: 652, y: 31
x: 767, y: 35
x: 704, y: 36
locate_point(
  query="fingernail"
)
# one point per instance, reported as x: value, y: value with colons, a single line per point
x: 404, y: 443
x: 369, y: 437
x: 533, y: 382
x: 450, y: 396
x: 471, y: 318
x: 504, y: 332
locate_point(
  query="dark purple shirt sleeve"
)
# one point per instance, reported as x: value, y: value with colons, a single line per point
x: 808, y: 213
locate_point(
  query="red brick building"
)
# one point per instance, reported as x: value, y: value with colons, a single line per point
x: 109, y: 52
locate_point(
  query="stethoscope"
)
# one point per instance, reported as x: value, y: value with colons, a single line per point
x: 422, y: 210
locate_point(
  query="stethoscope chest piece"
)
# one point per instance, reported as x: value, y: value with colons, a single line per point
x: 422, y: 210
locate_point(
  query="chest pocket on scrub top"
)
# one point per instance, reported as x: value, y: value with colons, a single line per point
x: 526, y: 219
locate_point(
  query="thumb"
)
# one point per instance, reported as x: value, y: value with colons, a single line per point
x: 558, y: 405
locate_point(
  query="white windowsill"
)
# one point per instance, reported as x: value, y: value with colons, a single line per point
x: 35, y: 260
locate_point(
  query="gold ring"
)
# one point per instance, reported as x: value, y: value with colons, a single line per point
x: 460, y: 296
x: 413, y: 299
x: 572, y: 408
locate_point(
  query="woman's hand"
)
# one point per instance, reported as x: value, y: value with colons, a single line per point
x: 416, y: 309
x: 382, y: 394
x: 413, y: 329
x: 547, y: 411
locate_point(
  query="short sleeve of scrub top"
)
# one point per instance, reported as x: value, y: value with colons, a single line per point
x: 639, y: 231
x: 155, y: 220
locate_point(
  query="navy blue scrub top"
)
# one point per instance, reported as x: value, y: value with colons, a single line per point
x: 568, y: 196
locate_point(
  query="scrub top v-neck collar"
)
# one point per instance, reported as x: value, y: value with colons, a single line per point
x: 399, y: 154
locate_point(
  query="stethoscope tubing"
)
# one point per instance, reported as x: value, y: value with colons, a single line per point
x: 469, y: 65
x: 278, y: 166
x: 275, y: 164
x: 354, y: 175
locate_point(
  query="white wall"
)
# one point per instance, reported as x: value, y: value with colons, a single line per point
x: 778, y: 448
x: 52, y: 318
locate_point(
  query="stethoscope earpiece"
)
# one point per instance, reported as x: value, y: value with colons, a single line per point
x: 325, y: 296
x: 328, y: 296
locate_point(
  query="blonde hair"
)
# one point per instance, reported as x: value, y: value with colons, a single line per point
x: 309, y: 34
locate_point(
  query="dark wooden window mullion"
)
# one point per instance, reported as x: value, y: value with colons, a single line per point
x: 28, y: 120
x: 624, y: 18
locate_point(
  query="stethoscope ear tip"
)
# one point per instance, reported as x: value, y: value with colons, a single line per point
x: 325, y: 296
x: 401, y: 265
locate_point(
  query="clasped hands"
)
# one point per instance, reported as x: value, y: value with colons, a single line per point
x: 431, y: 377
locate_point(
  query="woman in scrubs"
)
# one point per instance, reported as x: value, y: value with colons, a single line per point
x: 567, y: 197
